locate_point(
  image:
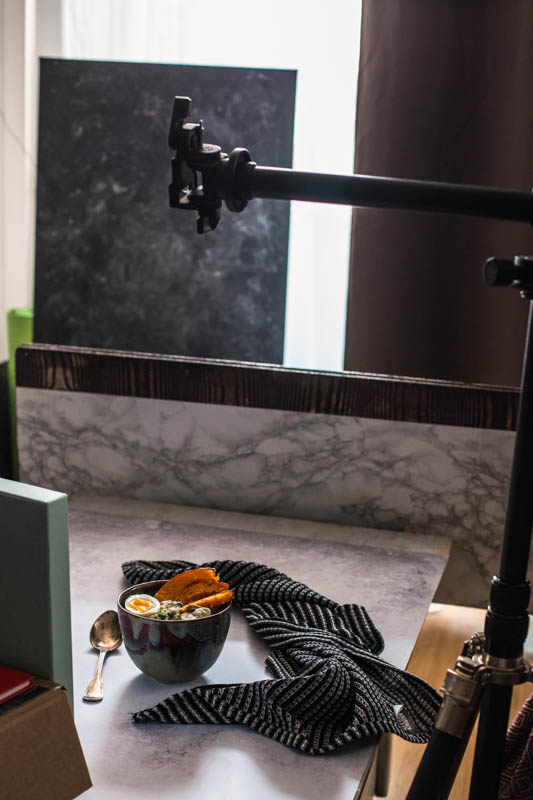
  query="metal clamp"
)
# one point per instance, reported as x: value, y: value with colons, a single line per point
x: 462, y: 685
x: 506, y: 671
x: 202, y: 175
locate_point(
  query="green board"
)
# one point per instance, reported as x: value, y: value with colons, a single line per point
x: 19, y: 331
x: 35, y: 633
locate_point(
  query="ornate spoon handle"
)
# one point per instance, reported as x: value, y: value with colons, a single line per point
x: 95, y: 690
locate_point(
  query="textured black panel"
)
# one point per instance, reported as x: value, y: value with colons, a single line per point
x: 115, y: 266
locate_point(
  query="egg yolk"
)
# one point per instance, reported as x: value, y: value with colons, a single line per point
x: 141, y: 605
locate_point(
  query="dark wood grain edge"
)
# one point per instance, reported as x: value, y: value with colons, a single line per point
x: 79, y: 369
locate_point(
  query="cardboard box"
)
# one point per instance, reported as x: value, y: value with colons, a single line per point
x: 40, y: 752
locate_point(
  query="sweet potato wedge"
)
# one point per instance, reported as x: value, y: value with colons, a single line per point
x: 195, y: 591
x: 212, y: 602
x: 172, y: 589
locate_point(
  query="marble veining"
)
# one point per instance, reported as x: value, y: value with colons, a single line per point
x: 442, y: 480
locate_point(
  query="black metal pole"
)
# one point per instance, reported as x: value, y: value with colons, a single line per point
x: 519, y: 517
x: 507, y: 617
x: 377, y: 192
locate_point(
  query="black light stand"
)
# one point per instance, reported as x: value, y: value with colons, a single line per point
x: 491, y: 664
x: 203, y: 177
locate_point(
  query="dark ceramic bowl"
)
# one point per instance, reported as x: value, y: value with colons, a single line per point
x: 172, y: 651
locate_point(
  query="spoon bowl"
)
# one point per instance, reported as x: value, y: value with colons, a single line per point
x: 105, y: 636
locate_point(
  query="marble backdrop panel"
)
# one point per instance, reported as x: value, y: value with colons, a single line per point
x: 378, y: 474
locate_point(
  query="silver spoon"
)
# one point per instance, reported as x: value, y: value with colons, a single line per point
x: 105, y: 636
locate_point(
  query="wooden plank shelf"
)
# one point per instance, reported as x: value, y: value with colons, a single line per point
x: 201, y: 380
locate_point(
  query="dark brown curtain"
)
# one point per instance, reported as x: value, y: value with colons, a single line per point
x: 446, y: 94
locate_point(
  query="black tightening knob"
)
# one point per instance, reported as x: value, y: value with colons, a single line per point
x: 500, y: 272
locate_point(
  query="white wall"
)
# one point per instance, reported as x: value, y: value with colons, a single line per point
x: 28, y: 28
x: 16, y: 161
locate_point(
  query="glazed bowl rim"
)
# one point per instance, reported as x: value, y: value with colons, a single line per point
x: 225, y: 607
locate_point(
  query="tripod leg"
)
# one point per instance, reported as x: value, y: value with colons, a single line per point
x: 494, y: 716
x: 438, y: 768
x: 453, y: 726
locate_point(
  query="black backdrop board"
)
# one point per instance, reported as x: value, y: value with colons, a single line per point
x: 115, y: 266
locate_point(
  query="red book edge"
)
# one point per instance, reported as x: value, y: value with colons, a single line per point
x: 13, y: 682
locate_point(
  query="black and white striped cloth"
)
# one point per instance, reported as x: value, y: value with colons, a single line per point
x: 329, y: 686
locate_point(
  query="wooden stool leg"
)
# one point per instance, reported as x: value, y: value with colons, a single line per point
x: 381, y: 788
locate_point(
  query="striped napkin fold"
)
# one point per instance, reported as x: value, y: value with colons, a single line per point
x: 329, y: 686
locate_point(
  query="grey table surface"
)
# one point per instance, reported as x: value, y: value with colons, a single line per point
x: 393, y: 575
